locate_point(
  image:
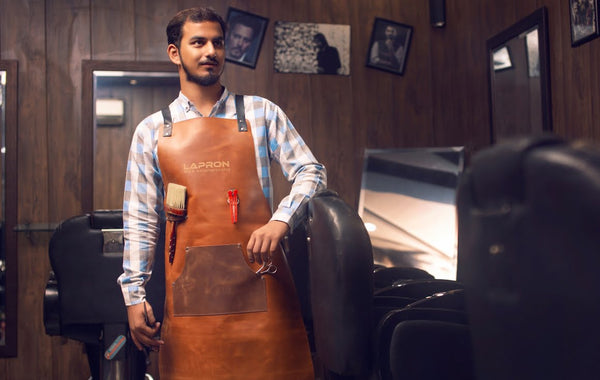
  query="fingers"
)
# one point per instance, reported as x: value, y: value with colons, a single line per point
x: 264, y: 241
x: 143, y: 334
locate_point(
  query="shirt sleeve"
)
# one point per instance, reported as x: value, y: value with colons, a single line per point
x: 142, y: 210
x: 298, y: 164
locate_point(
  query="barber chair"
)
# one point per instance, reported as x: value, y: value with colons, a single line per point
x: 451, y: 299
x: 83, y: 300
x: 383, y: 277
x: 385, y: 329
x: 431, y: 350
x: 335, y: 285
x: 418, y: 289
x: 528, y: 256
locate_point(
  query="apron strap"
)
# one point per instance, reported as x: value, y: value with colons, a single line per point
x: 241, y: 114
x: 239, y: 109
x: 168, y: 128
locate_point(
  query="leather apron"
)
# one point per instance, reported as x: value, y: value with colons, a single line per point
x: 222, y: 320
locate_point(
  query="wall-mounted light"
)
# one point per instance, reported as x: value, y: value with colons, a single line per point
x: 437, y: 13
x: 110, y: 111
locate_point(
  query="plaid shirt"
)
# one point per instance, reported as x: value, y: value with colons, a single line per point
x: 274, y: 139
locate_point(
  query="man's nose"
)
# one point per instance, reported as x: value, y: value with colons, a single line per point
x: 210, y: 49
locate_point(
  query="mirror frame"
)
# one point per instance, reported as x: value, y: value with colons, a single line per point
x: 538, y: 18
x: 88, y: 135
x: 9, y: 349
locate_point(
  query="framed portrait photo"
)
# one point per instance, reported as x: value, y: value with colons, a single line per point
x: 584, y: 21
x: 389, y: 46
x: 245, y: 34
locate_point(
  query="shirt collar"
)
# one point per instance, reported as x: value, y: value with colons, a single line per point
x: 218, y: 107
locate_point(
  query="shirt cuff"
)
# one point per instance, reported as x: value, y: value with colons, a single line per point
x: 133, y: 295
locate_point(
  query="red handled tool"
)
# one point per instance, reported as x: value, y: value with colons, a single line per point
x: 233, y: 200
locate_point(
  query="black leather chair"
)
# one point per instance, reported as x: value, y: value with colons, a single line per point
x: 431, y: 350
x: 528, y: 256
x: 382, y: 337
x: 451, y: 299
x: 418, y: 289
x: 384, y: 277
x: 83, y: 300
x: 338, y: 278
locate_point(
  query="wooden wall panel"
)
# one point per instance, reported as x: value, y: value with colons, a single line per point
x: 23, y: 39
x: 113, y: 29
x: 67, y: 35
x: 151, y: 19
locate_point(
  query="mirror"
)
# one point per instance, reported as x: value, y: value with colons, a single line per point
x: 116, y: 97
x: 519, y: 77
x: 407, y: 202
x: 8, y: 211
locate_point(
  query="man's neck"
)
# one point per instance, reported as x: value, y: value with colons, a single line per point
x: 203, y: 97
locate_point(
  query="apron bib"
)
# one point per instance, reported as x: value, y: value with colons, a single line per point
x: 222, y: 320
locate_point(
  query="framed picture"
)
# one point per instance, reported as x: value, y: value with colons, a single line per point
x: 501, y: 58
x: 311, y: 48
x: 389, y: 46
x: 245, y: 34
x: 584, y: 20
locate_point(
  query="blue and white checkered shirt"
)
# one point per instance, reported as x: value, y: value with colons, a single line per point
x: 275, y: 138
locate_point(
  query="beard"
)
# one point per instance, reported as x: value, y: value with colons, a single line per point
x: 206, y: 80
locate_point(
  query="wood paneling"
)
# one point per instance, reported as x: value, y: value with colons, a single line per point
x: 23, y: 39
x: 442, y: 99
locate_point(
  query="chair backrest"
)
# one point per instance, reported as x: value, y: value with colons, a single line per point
x: 418, y: 289
x: 383, y: 277
x: 86, y: 257
x: 451, y: 299
x: 383, y: 333
x: 431, y: 350
x: 341, y: 284
x: 528, y: 213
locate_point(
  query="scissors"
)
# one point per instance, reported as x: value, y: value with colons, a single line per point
x: 267, y: 268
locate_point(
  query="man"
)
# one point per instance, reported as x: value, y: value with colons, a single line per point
x: 388, y: 52
x: 328, y: 58
x: 242, y: 31
x: 230, y: 308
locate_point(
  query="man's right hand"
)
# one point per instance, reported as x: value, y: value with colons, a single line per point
x: 143, y: 326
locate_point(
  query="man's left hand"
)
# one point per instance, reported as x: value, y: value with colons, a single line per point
x: 264, y: 241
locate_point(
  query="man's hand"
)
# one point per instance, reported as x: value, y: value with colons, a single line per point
x: 143, y: 326
x: 264, y: 241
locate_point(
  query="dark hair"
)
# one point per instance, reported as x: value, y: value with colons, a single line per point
x: 321, y: 38
x: 246, y: 21
x: 175, y: 26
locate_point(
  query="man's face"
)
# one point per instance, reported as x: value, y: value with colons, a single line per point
x: 390, y: 32
x: 202, y: 52
x: 239, y: 39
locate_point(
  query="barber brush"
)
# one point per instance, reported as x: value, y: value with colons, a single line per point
x: 176, y: 212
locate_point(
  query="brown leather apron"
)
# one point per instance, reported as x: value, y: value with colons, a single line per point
x: 222, y: 320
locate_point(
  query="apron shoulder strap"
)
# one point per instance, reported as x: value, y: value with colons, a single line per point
x: 168, y: 122
x: 241, y: 114
x: 239, y: 109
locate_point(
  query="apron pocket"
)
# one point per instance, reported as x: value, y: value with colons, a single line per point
x: 216, y: 280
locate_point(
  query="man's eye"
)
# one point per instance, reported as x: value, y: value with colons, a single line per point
x: 218, y: 43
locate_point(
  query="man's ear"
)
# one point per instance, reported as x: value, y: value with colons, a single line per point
x: 173, y: 53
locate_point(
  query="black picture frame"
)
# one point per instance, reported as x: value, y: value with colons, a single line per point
x: 395, y: 62
x: 246, y: 21
x: 584, y: 21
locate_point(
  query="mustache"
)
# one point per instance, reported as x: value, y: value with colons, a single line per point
x: 209, y: 60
